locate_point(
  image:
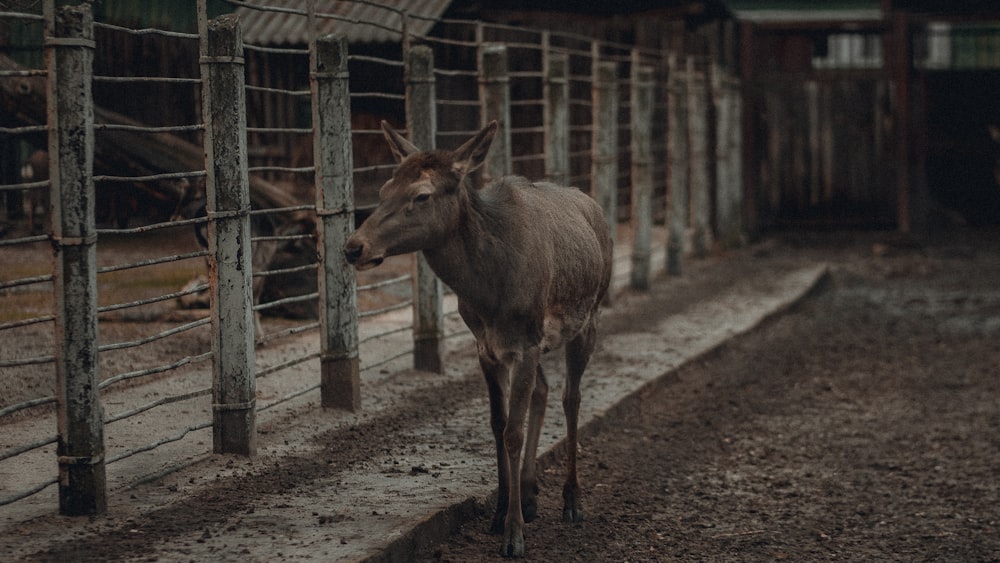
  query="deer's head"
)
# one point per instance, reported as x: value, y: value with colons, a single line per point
x: 420, y: 207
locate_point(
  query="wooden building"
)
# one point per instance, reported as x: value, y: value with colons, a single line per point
x: 870, y: 113
x: 856, y: 112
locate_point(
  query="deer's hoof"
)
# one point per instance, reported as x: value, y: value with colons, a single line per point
x: 513, y: 545
x: 529, y: 509
x: 572, y: 514
x: 529, y: 501
x: 572, y: 507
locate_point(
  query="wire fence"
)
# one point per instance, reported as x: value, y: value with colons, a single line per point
x: 158, y: 233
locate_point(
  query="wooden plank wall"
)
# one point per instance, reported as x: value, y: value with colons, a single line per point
x: 823, y: 152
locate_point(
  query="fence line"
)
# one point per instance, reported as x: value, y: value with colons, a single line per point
x: 595, y: 114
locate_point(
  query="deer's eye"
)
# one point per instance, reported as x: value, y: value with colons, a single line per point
x: 421, y: 198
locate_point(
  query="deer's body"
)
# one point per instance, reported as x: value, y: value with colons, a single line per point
x: 530, y: 264
x: 36, y: 169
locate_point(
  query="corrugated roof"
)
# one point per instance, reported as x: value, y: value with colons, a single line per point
x: 283, y: 22
x: 776, y: 11
x: 778, y: 16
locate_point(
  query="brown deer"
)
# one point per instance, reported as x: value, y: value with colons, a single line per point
x: 530, y: 264
x: 36, y: 169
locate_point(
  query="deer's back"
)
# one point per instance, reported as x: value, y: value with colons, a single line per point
x: 546, y: 255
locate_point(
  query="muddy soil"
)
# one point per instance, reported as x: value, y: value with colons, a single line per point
x: 862, y: 425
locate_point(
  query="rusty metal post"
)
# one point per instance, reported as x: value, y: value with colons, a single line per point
x: 556, y: 117
x: 677, y: 157
x: 228, y: 190
x: 82, y: 477
x: 428, y: 292
x: 340, y: 386
x: 494, y: 96
x: 642, y: 172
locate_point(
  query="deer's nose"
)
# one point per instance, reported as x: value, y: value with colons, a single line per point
x: 352, y: 252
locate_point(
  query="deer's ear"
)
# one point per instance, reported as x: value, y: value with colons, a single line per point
x: 401, y: 148
x: 994, y: 132
x: 471, y: 155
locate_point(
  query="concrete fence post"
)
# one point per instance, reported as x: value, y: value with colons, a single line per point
x: 428, y: 291
x: 735, y: 142
x: 340, y: 384
x: 729, y: 181
x: 556, y: 98
x: 642, y: 172
x: 677, y: 158
x: 228, y: 190
x: 700, y: 180
x: 604, y: 141
x: 494, y: 96
x: 80, y: 450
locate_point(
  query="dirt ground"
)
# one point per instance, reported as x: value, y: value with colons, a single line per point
x: 863, y: 425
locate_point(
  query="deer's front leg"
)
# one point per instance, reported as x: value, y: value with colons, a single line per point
x: 524, y: 366
x: 496, y: 383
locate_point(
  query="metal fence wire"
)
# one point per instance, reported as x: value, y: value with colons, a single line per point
x: 134, y: 328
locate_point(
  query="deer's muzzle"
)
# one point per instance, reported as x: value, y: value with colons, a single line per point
x: 354, y: 253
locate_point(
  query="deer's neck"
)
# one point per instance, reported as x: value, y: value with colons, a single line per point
x: 476, y: 260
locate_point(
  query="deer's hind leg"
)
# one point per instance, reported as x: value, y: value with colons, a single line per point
x: 578, y: 353
x: 529, y: 467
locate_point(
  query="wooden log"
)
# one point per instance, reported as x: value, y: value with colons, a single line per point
x: 125, y: 153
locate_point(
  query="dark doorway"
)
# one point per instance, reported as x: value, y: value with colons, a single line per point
x: 962, y: 155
